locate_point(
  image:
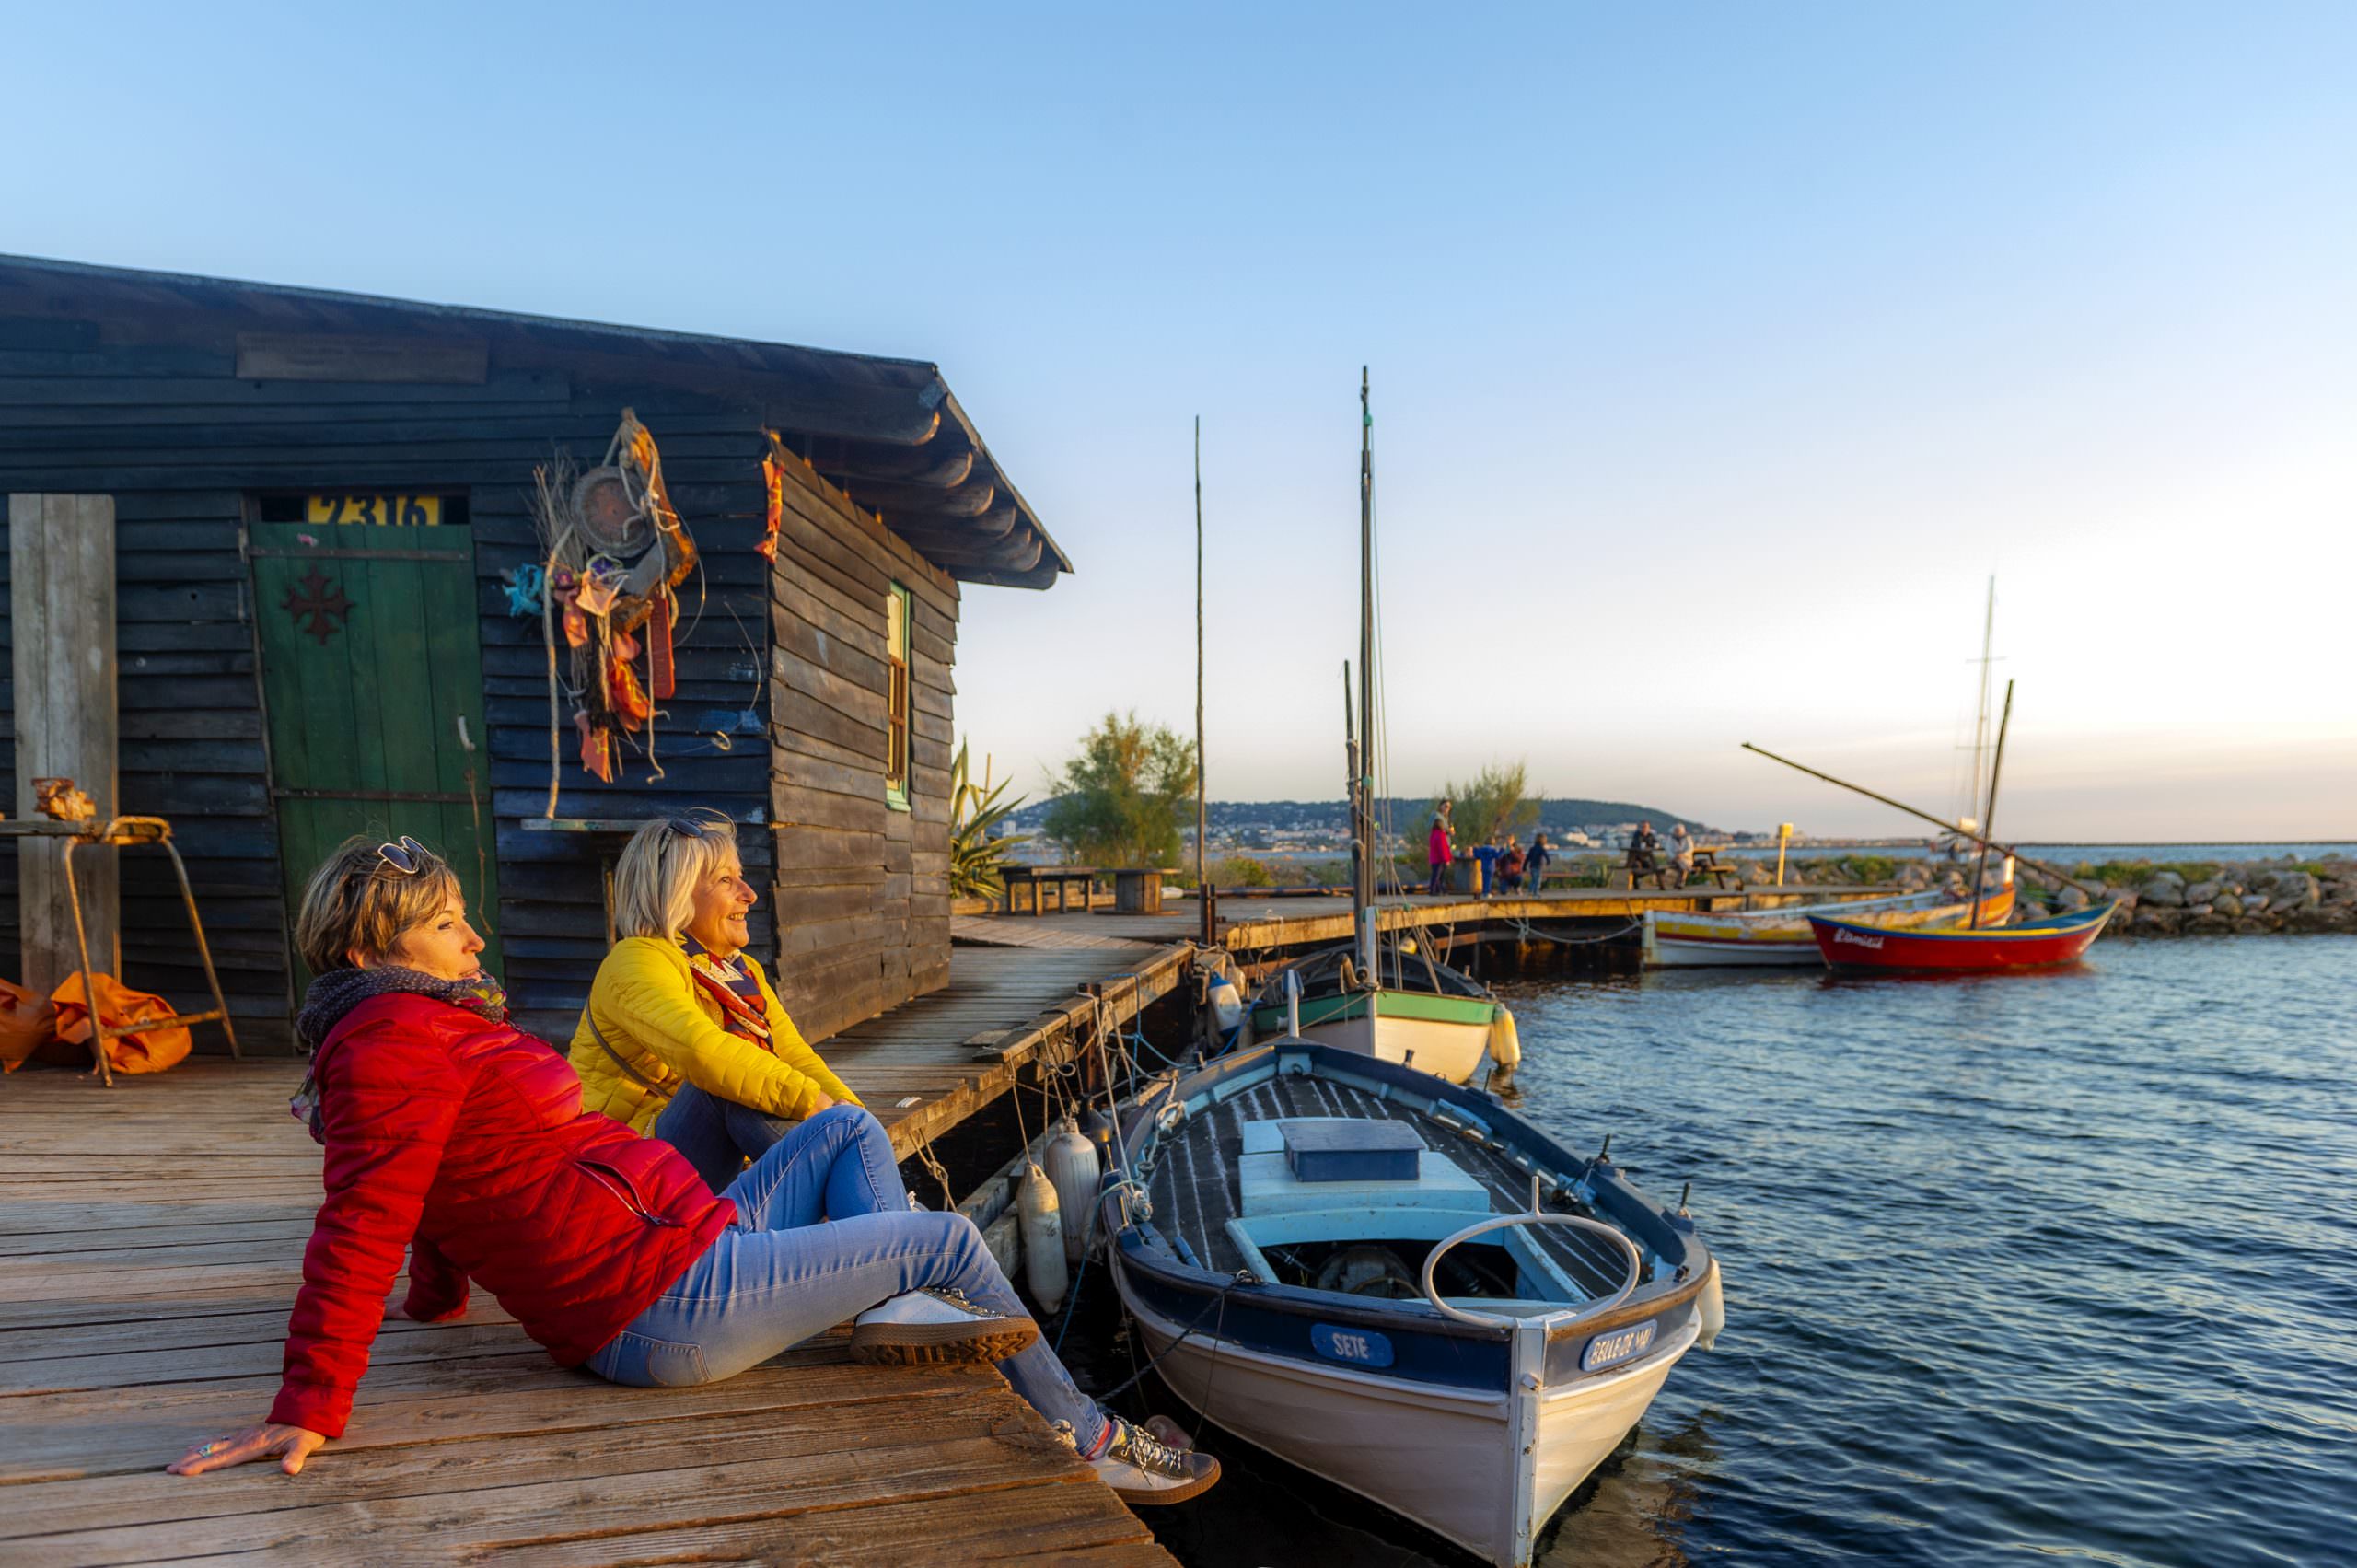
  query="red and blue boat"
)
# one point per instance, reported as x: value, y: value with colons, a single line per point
x: 2037, y: 944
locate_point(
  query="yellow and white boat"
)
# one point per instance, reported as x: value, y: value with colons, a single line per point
x: 1782, y: 935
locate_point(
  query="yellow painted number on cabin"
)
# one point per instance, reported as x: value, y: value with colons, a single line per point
x: 394, y: 511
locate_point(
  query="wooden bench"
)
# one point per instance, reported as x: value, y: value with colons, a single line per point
x: 1137, y: 890
x: 1708, y: 864
x: 1032, y: 879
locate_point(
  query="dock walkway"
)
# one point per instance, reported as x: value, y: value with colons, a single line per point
x: 1252, y: 926
x: 151, y: 1240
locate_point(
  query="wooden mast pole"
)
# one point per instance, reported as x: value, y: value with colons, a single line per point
x: 1206, y: 919
x: 2058, y: 875
x: 1364, y: 773
x: 1980, y: 722
x: 1988, y: 811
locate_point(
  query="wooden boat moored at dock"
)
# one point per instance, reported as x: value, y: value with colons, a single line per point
x: 2042, y: 944
x: 1399, y: 1285
x: 1423, y: 1014
x: 1686, y: 940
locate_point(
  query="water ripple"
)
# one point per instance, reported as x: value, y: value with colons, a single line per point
x: 2054, y: 1265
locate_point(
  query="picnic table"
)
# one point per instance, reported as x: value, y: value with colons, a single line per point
x: 1033, y: 879
x: 1660, y: 867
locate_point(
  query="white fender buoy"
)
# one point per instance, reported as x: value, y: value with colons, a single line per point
x: 1506, y: 1044
x: 1044, y: 1239
x: 1228, y: 1008
x: 1072, y: 1167
x: 1713, y: 1308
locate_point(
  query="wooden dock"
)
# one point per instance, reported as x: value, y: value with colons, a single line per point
x: 1257, y: 927
x: 151, y: 1239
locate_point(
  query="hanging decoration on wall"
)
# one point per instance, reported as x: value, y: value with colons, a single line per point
x: 773, y: 487
x: 614, y: 554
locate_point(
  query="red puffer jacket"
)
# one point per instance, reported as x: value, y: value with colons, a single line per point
x: 466, y: 1140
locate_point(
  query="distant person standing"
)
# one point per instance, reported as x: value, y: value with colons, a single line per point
x: 1681, y: 853
x: 1488, y: 855
x: 1510, y: 865
x: 1439, y: 851
x: 1534, y: 862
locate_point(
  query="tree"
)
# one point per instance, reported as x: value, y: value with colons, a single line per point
x: 1492, y: 803
x: 1122, y: 799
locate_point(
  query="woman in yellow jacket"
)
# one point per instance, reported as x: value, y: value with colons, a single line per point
x: 683, y: 1038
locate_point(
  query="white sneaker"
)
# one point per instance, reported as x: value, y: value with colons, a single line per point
x: 1146, y: 1472
x: 936, y: 1328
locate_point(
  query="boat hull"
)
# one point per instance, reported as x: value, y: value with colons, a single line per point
x: 1783, y: 936
x: 1444, y: 1458
x: 1445, y: 1036
x: 2040, y: 945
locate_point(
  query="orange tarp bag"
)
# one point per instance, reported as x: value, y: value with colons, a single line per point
x: 148, y: 1050
x: 26, y: 1023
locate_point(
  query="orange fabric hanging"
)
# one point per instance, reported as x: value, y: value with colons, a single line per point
x: 149, y: 1051
x: 772, y: 481
x: 26, y: 1023
x: 626, y: 696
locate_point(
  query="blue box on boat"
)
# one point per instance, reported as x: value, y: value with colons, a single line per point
x: 1351, y: 1150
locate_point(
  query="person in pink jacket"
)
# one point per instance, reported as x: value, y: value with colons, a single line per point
x: 1439, y: 851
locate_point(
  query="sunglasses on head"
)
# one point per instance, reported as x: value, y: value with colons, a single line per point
x: 406, y: 857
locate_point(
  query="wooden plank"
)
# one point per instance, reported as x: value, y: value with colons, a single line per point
x: 62, y: 598
x: 351, y: 356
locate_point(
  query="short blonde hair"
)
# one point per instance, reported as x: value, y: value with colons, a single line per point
x: 359, y: 901
x: 654, y: 881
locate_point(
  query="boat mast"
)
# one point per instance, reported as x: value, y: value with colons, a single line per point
x: 1350, y: 789
x: 1980, y: 725
x: 1363, y: 792
x: 1989, y: 812
x: 1203, y: 892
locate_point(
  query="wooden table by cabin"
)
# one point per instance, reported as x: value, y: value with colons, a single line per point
x: 1032, y: 878
x: 1137, y: 890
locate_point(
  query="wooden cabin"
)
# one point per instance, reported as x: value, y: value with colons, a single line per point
x: 322, y: 506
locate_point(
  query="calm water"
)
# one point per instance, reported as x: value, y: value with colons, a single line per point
x: 2058, y: 1267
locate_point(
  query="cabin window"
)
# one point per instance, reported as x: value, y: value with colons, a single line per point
x: 896, y: 743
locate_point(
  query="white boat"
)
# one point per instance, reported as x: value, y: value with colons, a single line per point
x: 1782, y: 935
x: 1423, y: 1014
x: 1399, y: 1285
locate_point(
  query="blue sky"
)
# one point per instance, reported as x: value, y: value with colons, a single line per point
x: 1720, y: 351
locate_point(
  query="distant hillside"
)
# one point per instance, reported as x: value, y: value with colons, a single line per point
x: 1556, y: 816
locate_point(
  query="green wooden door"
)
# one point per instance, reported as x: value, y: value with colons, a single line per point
x: 372, y: 672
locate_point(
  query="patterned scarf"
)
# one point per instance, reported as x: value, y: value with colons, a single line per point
x: 340, y: 991
x: 731, y: 985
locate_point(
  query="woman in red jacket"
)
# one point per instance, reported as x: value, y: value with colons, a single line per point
x: 451, y: 1133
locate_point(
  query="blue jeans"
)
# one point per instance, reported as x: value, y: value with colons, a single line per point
x: 718, y: 1135
x: 780, y: 1275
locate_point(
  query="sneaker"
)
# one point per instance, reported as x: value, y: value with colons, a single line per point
x: 936, y: 1328
x: 1146, y: 1473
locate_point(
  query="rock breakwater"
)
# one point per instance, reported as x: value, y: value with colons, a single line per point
x: 2188, y: 899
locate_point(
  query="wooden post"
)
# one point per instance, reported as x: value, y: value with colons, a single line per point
x: 60, y: 557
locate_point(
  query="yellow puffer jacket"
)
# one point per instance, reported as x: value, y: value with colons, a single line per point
x: 659, y: 1022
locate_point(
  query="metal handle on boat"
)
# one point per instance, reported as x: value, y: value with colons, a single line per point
x: 1499, y: 1222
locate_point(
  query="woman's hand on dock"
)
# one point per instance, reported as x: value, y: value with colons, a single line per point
x: 295, y: 1444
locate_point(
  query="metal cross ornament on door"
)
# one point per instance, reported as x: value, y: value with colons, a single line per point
x: 320, y: 599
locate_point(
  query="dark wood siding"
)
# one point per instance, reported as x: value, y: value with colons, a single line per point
x: 863, y: 888
x: 153, y: 414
